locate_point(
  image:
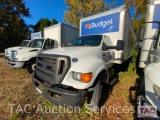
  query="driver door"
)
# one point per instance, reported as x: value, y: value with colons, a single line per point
x: 107, y: 55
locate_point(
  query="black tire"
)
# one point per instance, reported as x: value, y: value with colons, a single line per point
x: 31, y: 67
x: 95, y: 96
x: 140, y: 86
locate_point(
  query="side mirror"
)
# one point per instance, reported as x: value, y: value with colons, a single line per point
x: 120, y: 45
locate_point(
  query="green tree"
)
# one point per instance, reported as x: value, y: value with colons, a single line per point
x: 78, y: 9
x: 13, y: 28
x: 54, y: 21
x: 140, y: 7
x: 36, y: 26
x: 42, y: 23
x: 45, y: 22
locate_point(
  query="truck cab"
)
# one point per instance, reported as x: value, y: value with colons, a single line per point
x: 72, y: 71
x: 26, y: 57
x: 25, y: 43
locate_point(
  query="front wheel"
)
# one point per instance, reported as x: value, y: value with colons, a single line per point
x: 31, y: 67
x: 95, y: 96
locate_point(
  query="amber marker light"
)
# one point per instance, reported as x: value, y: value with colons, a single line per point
x: 86, y: 77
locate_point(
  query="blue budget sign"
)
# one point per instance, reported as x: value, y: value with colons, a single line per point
x: 104, y: 24
x: 156, y: 16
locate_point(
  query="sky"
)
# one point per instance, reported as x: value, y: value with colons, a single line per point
x: 50, y: 9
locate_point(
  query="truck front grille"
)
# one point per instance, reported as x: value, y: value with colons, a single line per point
x: 52, y: 68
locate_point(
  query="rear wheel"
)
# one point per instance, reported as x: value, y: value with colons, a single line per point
x: 31, y: 67
x: 95, y: 95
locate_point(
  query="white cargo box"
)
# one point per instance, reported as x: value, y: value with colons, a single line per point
x: 63, y: 33
x: 117, y: 25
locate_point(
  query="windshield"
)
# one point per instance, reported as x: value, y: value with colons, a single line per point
x: 24, y: 44
x: 93, y: 40
x: 37, y: 43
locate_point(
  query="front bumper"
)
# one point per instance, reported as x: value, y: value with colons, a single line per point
x: 68, y: 97
x: 15, y: 64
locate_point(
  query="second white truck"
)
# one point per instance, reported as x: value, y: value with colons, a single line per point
x: 24, y: 44
x: 67, y: 75
x: 54, y: 36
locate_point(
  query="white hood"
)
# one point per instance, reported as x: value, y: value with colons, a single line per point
x: 8, y: 50
x: 13, y: 48
x: 26, y: 50
x: 72, y: 51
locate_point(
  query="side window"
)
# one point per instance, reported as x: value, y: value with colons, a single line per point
x: 106, y: 42
x: 46, y: 44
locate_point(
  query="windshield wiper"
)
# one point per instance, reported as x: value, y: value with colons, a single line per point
x: 78, y: 45
x: 87, y: 45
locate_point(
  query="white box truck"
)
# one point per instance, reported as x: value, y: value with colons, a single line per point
x: 53, y: 36
x: 67, y: 75
x: 148, y: 88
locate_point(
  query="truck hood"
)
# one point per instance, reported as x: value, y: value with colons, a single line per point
x: 15, y: 48
x: 72, y: 51
x: 26, y: 50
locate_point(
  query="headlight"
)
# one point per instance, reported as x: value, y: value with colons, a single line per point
x: 14, y: 54
x: 77, y: 76
x: 156, y: 90
x: 83, y: 77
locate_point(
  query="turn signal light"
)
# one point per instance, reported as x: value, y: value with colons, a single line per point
x: 86, y: 77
